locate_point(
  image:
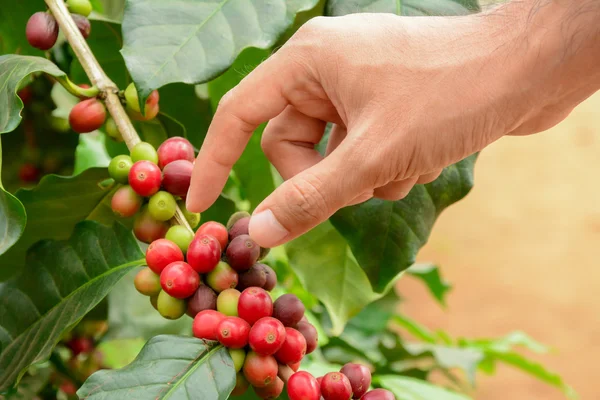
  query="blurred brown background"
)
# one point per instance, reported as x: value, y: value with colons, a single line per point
x: 522, y: 252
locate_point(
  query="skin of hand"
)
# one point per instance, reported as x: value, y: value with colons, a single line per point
x: 408, y: 97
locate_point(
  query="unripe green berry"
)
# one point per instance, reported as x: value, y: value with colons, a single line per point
x: 111, y: 129
x: 81, y: 7
x: 162, y: 206
x: 144, y: 151
x: 170, y: 307
x: 238, y: 356
x: 119, y: 167
x: 181, y: 236
x: 147, y: 282
x: 59, y: 124
x: 227, y: 302
x: 131, y: 97
x: 192, y: 218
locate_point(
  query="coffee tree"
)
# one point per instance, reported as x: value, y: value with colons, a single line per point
x: 111, y: 289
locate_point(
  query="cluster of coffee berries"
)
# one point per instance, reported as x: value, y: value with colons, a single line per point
x: 42, y: 28
x: 162, y: 178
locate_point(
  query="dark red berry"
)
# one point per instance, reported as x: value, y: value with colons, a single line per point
x: 175, y: 148
x: 254, y: 304
x: 145, y: 178
x: 204, y: 253
x: 203, y: 299
x: 271, y: 391
x: 303, y: 386
x: 288, y: 309
x: 359, y: 377
x: 378, y: 394
x: 310, y: 335
x: 161, y: 253
x: 216, y: 230
x: 221, y: 278
x: 205, y: 324
x: 267, y: 336
x: 87, y: 116
x: 240, y: 227
x: 232, y: 332
x: 29, y: 173
x: 177, y: 176
x: 271, y: 278
x: 293, y: 349
x: 336, y: 386
x: 256, y: 276
x: 68, y: 388
x: 42, y: 30
x: 26, y: 95
x: 146, y: 229
x: 83, y: 24
x: 241, y: 385
x: 80, y: 345
x: 260, y: 370
x: 242, y: 253
x: 125, y: 202
x: 179, y: 280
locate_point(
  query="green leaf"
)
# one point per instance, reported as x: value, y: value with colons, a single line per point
x: 414, y: 389
x: 252, y: 169
x: 414, y: 328
x: 374, y: 318
x: 200, y: 40
x: 506, y: 343
x: 385, y: 236
x: 33, y: 382
x: 13, y: 69
x: 55, y: 206
x: 403, y: 7
x: 14, y: 16
x: 118, y: 353
x: 91, y: 153
x: 324, y: 264
x: 106, y: 42
x: 168, y: 367
x: 62, y: 282
x: 12, y: 216
x: 131, y: 315
x: 431, y: 277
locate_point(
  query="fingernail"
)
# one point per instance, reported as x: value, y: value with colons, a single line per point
x: 265, y: 230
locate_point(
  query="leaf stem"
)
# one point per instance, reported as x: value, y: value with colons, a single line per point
x: 76, y: 90
x: 107, y: 88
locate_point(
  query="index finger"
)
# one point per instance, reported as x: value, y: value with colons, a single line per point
x: 259, y: 97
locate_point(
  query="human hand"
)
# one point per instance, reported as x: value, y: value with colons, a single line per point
x: 408, y: 96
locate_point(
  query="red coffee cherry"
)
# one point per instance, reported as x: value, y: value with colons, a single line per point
x: 254, y: 304
x: 378, y: 394
x: 288, y: 309
x: 293, y: 349
x: 83, y: 24
x: 267, y: 336
x: 310, y: 334
x: 146, y: 229
x: 179, y: 280
x: 260, y: 370
x: 271, y: 278
x: 271, y: 391
x: 79, y: 345
x: 125, y: 202
x: 303, y: 386
x: 42, y: 30
x: 205, y: 324
x: 175, y: 148
x: 241, y: 385
x: 145, y: 178
x: 295, y: 366
x: 29, y: 173
x: 221, y: 278
x: 177, y: 176
x: 204, y: 299
x: 147, y: 282
x: 240, y: 227
x: 161, y: 253
x: 204, y: 253
x: 87, y: 116
x: 335, y: 386
x: 359, y: 377
x: 256, y: 276
x: 232, y: 332
x: 216, y: 230
x: 242, y: 253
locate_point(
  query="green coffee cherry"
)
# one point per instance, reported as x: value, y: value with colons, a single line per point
x: 81, y: 7
x: 227, y: 302
x: 238, y: 356
x: 162, y: 206
x: 119, y: 167
x: 181, y: 236
x: 131, y: 97
x: 192, y: 218
x: 144, y: 151
x: 170, y: 307
x: 59, y: 124
x: 112, y: 130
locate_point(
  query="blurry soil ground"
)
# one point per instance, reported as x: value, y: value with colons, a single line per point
x: 522, y: 250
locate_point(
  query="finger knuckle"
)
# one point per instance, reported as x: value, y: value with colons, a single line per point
x: 305, y: 199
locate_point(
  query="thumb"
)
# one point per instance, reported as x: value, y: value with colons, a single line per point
x: 305, y: 200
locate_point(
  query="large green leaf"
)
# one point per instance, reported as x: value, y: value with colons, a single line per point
x: 12, y: 216
x: 14, y: 16
x: 252, y: 169
x: 325, y: 266
x: 62, y: 282
x: 201, y: 39
x: 13, y: 69
x: 91, y: 153
x: 403, y: 7
x: 405, y: 388
x: 385, y: 236
x: 55, y: 206
x: 168, y: 367
x: 106, y: 42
